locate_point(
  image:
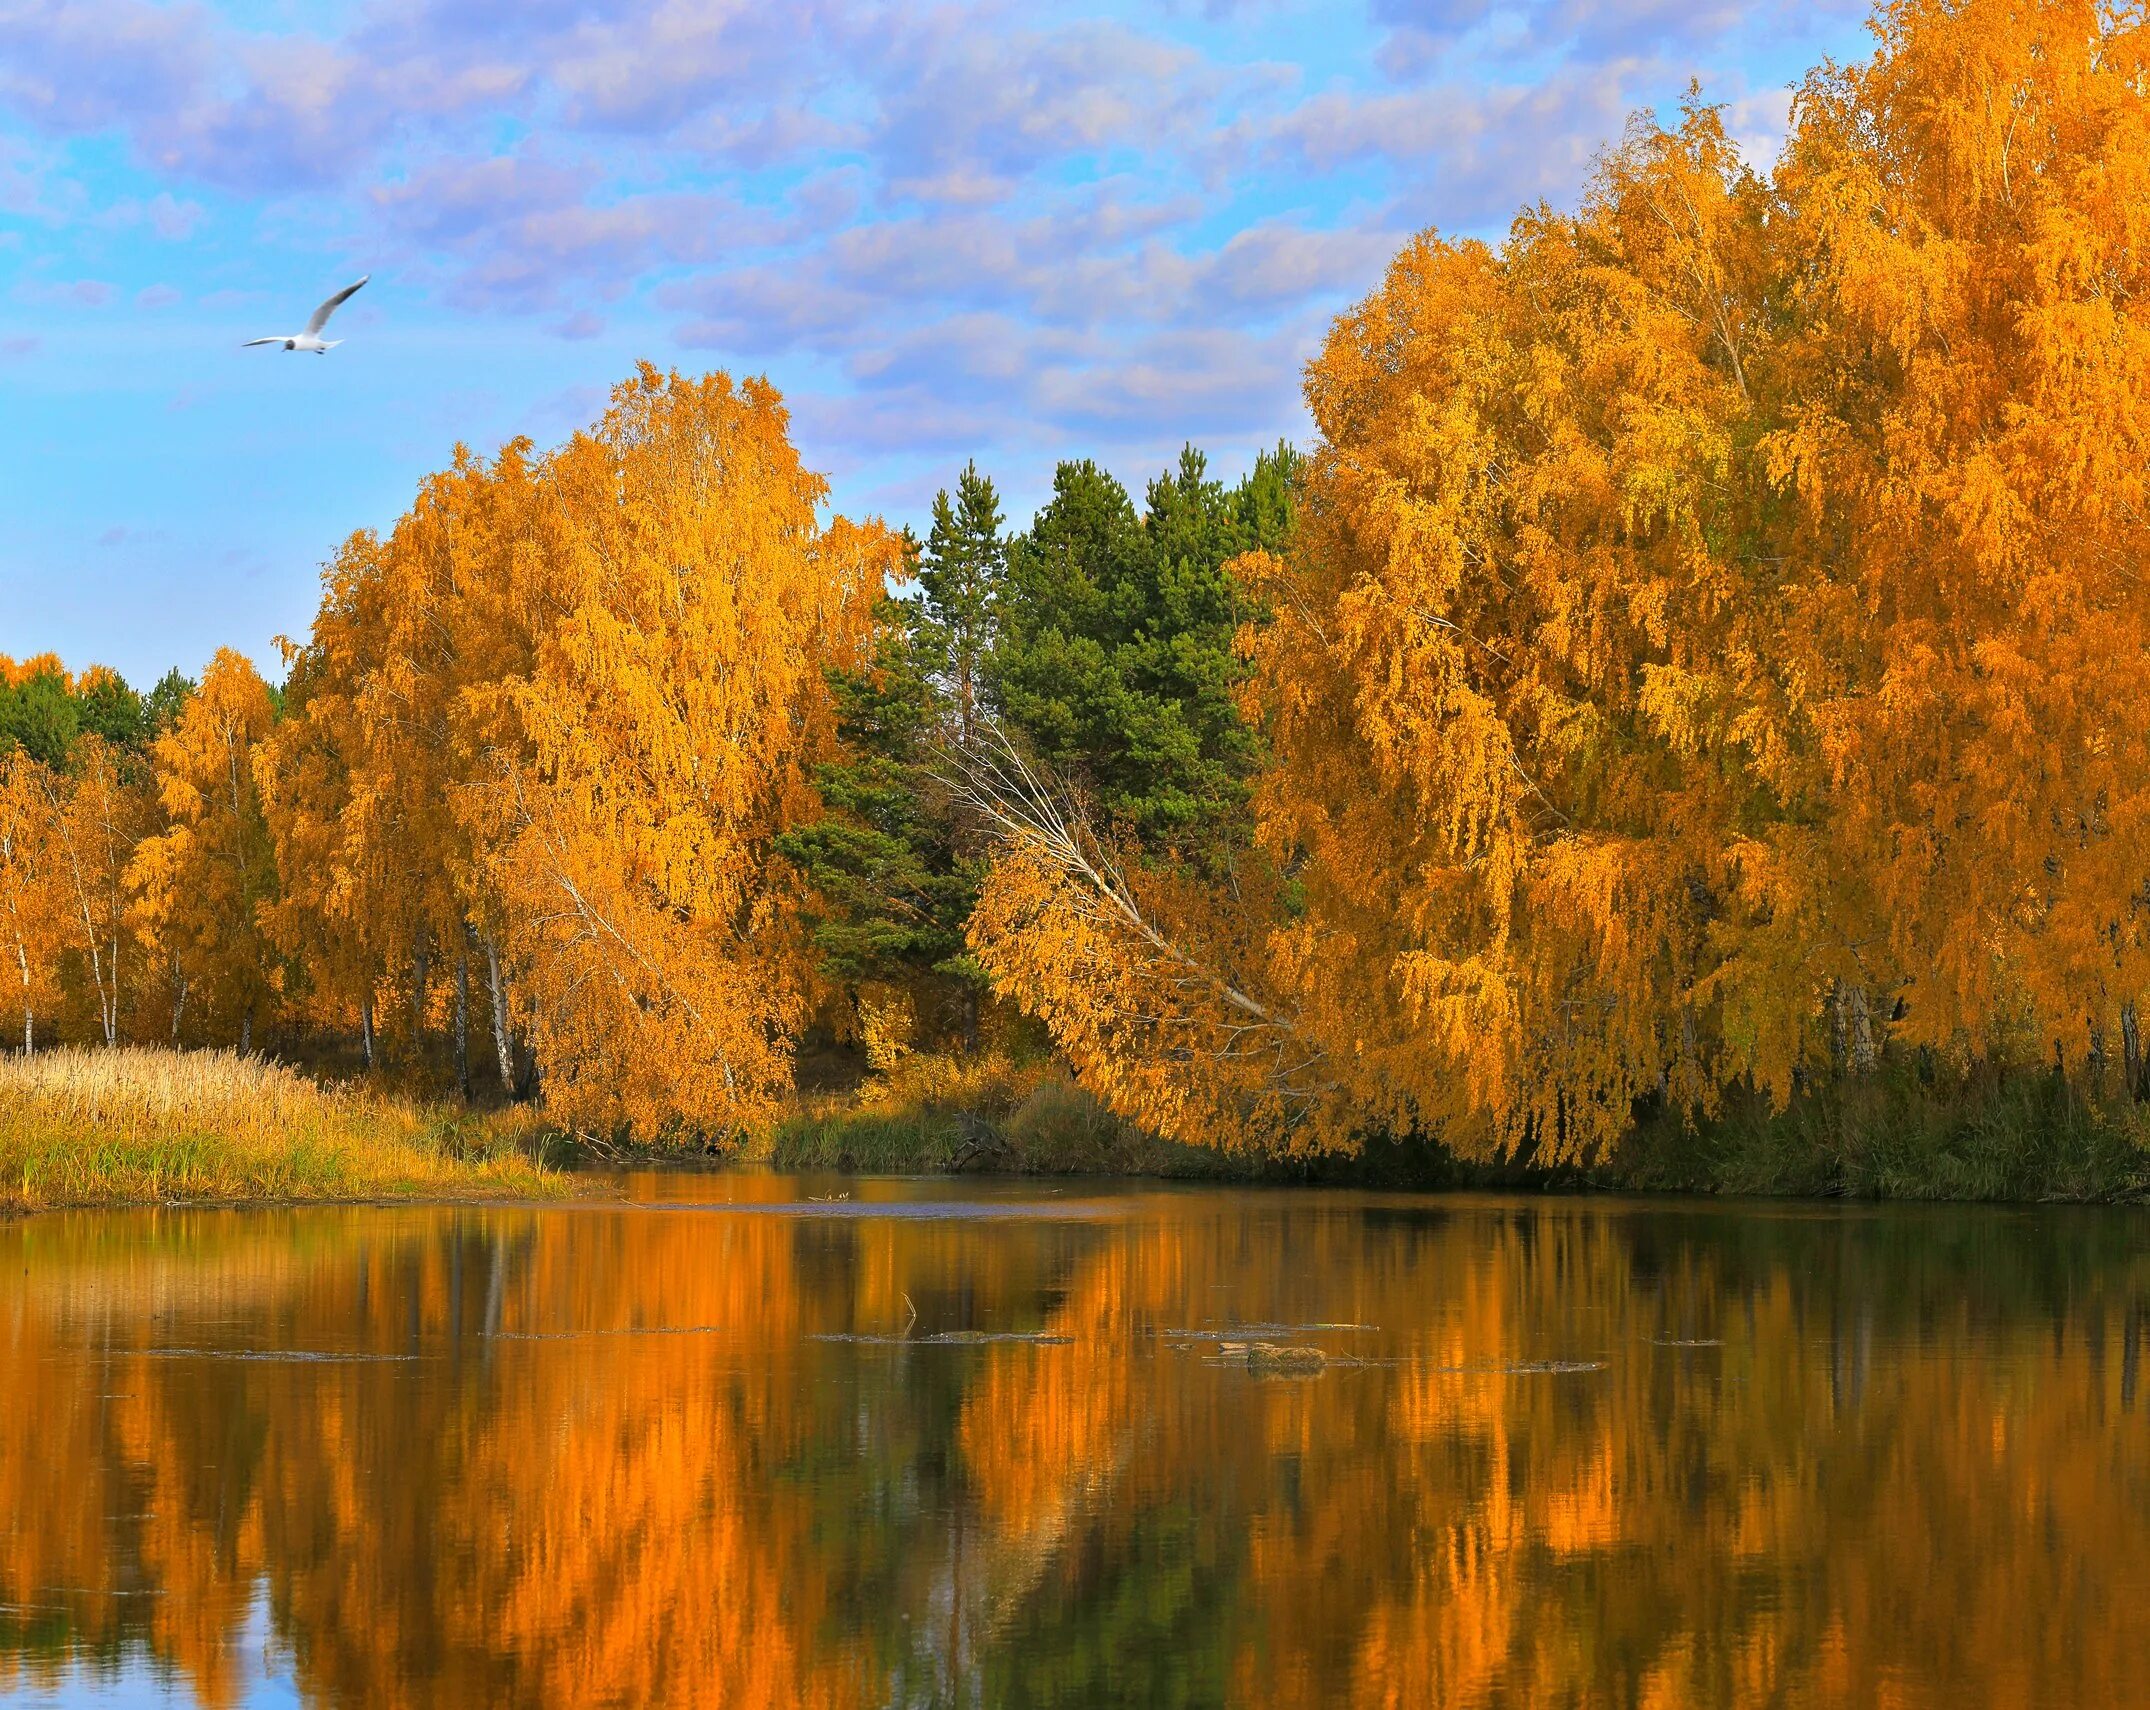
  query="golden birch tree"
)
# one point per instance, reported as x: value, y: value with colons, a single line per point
x: 98, y: 812
x: 201, y: 883
x: 28, y: 924
x: 665, y: 733
x: 1712, y: 649
x: 1964, y: 467
x: 1518, y: 546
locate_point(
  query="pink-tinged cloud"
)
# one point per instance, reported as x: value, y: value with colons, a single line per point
x: 171, y: 218
x: 67, y: 293
x: 522, y: 231
x: 992, y: 227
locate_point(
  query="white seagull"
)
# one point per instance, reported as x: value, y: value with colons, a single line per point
x: 311, y: 338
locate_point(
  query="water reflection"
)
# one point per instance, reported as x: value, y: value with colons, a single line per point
x: 738, y: 1442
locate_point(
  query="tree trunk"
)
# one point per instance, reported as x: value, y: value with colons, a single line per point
x: 462, y: 1018
x: 365, y: 1032
x: 418, y: 997
x: 29, y: 1025
x: 1860, y: 1031
x: 527, y: 1086
x: 246, y: 1034
x: 2131, y: 1051
x: 179, y: 1008
x: 503, y: 1041
x: 97, y: 971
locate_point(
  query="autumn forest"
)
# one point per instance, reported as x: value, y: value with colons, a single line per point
x: 1700, y: 657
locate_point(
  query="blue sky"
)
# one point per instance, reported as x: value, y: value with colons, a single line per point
x: 1011, y: 231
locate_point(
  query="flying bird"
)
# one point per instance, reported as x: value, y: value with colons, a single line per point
x: 311, y: 338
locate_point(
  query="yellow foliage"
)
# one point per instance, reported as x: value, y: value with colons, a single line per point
x: 99, y: 811
x: 888, y: 1026
x: 200, y: 882
x: 1710, y: 652
x: 666, y: 731
x: 1712, y: 647
x: 29, y: 927
x: 545, y: 731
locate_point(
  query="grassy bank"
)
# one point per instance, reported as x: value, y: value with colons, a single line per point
x: 1890, y: 1136
x: 83, y: 1128
x: 130, y: 1126
x: 938, y: 1114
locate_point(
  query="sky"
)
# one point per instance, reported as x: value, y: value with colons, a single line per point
x: 1016, y: 232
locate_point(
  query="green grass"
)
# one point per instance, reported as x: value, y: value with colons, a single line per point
x: 2023, y: 1137
x: 90, y: 1127
x: 937, y: 1114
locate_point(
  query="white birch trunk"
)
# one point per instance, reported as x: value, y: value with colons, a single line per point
x: 503, y: 1041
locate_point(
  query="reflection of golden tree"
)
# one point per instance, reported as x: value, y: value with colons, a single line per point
x: 1051, y: 1425
x: 127, y: 1514
x: 560, y: 1522
x: 1711, y: 1524
x: 1856, y: 1478
x: 595, y: 1510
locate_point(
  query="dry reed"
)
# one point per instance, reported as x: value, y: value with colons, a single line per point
x: 134, y: 1125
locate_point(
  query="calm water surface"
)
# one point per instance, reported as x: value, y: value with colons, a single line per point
x: 1006, y: 1444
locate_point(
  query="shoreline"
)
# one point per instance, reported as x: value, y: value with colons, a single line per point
x: 151, y: 1129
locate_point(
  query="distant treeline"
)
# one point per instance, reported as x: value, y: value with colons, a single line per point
x: 1703, y: 651
x: 43, y: 709
x: 614, y: 771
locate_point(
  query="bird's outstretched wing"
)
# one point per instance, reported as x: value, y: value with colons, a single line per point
x: 321, y: 315
x: 250, y: 343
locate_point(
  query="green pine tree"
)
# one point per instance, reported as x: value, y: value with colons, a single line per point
x: 892, y: 883
x: 107, y: 707
x: 39, y: 714
x: 164, y: 703
x: 959, y: 576
x: 1114, y: 643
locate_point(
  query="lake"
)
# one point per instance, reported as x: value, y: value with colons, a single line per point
x: 729, y: 1442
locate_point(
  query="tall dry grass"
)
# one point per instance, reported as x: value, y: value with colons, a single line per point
x: 135, y: 1125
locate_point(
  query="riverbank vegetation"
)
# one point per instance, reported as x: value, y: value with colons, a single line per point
x: 942, y: 1114
x: 1683, y: 711
x: 92, y: 1126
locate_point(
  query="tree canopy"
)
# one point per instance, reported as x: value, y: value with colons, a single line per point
x: 1701, y: 650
